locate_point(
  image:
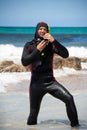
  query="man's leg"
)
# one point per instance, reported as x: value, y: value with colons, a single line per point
x: 58, y: 91
x: 35, y: 101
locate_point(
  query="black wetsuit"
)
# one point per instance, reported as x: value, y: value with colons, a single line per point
x: 43, y: 81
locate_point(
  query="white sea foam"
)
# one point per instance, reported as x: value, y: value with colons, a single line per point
x: 80, y: 52
x: 12, y: 78
x: 84, y: 65
x: 11, y: 52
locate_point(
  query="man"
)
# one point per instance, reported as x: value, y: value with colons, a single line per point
x: 39, y: 55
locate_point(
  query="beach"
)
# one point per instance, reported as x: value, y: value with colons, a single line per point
x: 14, y: 86
x: 14, y: 106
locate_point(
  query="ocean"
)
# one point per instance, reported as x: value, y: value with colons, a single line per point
x: 13, y: 39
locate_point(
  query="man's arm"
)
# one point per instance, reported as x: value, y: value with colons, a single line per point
x: 29, y: 55
x: 60, y: 49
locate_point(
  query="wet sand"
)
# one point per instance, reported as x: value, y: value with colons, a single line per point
x: 14, y: 107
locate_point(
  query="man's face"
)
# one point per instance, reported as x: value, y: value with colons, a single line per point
x: 42, y: 31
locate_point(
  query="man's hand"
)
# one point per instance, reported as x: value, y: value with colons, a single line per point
x: 41, y: 45
x: 49, y: 37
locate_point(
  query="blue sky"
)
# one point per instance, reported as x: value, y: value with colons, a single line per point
x: 54, y: 12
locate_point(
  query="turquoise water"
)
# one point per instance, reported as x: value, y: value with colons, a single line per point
x: 69, y: 36
x: 53, y: 30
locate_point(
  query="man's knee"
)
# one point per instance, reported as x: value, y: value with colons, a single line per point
x: 69, y: 99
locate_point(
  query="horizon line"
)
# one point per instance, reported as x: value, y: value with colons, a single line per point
x: 50, y: 26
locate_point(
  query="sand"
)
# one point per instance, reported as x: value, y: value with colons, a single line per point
x: 14, y: 107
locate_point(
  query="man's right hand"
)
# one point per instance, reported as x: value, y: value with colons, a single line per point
x: 41, y: 45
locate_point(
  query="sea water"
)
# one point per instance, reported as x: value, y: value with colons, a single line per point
x: 13, y: 39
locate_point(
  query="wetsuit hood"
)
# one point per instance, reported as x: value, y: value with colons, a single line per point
x: 40, y: 24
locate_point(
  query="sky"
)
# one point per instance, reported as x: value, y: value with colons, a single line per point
x: 59, y: 13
